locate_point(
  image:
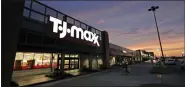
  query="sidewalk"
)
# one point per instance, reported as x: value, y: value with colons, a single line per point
x: 41, y: 79
x: 27, y: 80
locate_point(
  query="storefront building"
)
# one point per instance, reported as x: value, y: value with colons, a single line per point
x: 50, y: 40
x: 119, y: 55
x: 142, y: 56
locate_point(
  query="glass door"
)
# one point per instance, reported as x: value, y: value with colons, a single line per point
x: 71, y: 62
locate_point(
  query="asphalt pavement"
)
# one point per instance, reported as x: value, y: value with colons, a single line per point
x: 139, y: 76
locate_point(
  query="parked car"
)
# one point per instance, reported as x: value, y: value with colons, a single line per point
x: 170, y: 62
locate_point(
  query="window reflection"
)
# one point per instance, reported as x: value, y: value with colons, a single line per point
x: 66, y: 62
x: 26, y: 13
x: 27, y: 3
x: 25, y: 60
x: 66, y: 55
x: 66, y: 67
x: 51, y: 12
x: 77, y: 23
x: 60, y: 16
x: 18, y: 61
x: 72, y: 55
x: 83, y: 26
x: 38, y: 60
x: 55, y: 60
x: 70, y: 20
x: 37, y: 16
x: 46, y: 60
x: 38, y: 7
x: 28, y: 61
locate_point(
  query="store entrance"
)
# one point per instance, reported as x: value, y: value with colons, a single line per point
x: 71, y: 61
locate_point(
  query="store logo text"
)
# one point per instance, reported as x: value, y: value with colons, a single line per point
x: 62, y: 26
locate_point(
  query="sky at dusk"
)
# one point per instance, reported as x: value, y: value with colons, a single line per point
x: 129, y: 23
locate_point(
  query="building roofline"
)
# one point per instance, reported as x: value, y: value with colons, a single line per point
x: 63, y: 13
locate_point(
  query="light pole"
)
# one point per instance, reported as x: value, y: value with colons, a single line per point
x: 153, y: 8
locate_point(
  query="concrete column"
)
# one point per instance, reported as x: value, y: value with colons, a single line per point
x: 90, y: 61
x: 82, y: 58
x: 62, y: 63
x: 105, y: 38
x: 12, y: 14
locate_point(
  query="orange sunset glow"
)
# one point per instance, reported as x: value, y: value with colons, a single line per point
x: 171, y: 47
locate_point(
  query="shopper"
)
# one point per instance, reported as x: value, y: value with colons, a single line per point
x: 182, y: 65
x: 125, y: 68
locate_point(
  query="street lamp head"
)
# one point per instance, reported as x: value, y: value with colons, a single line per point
x: 149, y: 9
x: 156, y: 7
x: 153, y: 8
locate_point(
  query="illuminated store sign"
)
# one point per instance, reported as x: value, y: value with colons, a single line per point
x: 62, y: 26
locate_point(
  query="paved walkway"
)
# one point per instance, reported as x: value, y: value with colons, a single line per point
x: 23, y: 78
x: 140, y: 75
x: 28, y: 80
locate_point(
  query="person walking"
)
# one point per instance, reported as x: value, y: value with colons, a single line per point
x: 125, y: 68
x: 182, y: 65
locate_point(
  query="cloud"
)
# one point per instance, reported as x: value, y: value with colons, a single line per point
x: 101, y: 21
x: 169, y: 49
x: 167, y: 32
x: 130, y: 24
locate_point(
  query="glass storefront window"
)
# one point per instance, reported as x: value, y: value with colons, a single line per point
x: 72, y: 66
x: 76, y: 56
x: 77, y: 23
x: 70, y: 20
x: 93, y: 30
x: 55, y: 60
x: 19, y: 56
x: 37, y: 16
x: 72, y: 55
x: 66, y: 55
x: 100, y: 35
x: 72, y: 61
x: 60, y: 16
x: 100, y: 61
x: 28, y: 61
x: 94, y: 64
x: 38, y: 7
x: 18, y: 61
x: 26, y: 13
x: 97, y: 32
x: 51, y: 12
x: 46, y: 60
x: 38, y: 60
x: 27, y: 3
x: 66, y: 62
x: 83, y: 26
x: 76, y: 61
x: 66, y: 67
x: 86, y: 63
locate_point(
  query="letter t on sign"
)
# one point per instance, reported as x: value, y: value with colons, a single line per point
x: 55, y: 23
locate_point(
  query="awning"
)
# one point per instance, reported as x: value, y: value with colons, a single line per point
x: 119, y: 53
x: 116, y: 52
